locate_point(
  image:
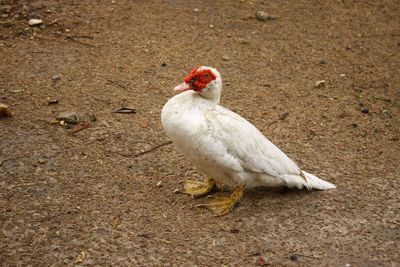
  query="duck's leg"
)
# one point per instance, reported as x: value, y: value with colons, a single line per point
x: 223, y: 205
x: 196, y: 188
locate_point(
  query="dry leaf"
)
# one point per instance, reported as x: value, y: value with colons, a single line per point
x: 319, y: 84
x: 116, y: 222
x: 261, y: 261
x: 81, y: 257
x: 125, y: 110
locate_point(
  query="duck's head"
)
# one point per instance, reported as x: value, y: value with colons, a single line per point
x: 206, y: 81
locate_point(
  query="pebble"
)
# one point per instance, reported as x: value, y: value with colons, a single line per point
x: 322, y: 62
x: 4, y: 112
x: 225, y: 58
x: 365, y: 110
x: 34, y: 22
x: 320, y: 83
x: 196, y: 10
x: 68, y: 117
x: 56, y: 77
x: 263, y: 16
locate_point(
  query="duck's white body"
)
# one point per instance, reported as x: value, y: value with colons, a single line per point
x: 227, y: 148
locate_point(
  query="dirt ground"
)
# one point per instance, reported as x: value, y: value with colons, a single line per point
x: 89, y: 199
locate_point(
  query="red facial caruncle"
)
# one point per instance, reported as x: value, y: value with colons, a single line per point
x: 198, y: 79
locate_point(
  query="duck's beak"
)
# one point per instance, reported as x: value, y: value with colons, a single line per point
x: 183, y: 87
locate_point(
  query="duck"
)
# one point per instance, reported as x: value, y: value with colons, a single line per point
x: 224, y: 146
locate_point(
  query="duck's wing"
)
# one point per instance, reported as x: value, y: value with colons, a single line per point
x: 236, y: 144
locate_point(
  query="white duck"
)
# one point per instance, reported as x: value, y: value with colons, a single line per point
x: 225, y: 146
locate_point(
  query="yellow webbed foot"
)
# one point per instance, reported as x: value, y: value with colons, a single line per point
x: 196, y: 188
x: 224, y: 205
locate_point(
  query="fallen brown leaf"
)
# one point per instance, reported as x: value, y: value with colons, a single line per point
x: 125, y: 110
x: 116, y: 222
x: 261, y: 261
x: 81, y: 257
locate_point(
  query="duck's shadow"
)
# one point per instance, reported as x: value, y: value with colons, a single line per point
x: 277, y: 192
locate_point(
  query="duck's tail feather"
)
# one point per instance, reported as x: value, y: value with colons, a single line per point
x: 308, y: 181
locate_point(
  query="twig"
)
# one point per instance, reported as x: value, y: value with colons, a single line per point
x: 117, y: 84
x: 79, y: 128
x: 82, y: 36
x: 73, y: 39
x: 308, y: 256
x: 152, y: 149
x: 38, y: 52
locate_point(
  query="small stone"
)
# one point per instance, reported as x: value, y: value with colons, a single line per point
x: 365, y: 110
x: 354, y: 125
x: 159, y: 184
x: 342, y: 75
x: 17, y: 91
x: 293, y: 258
x: 35, y: 22
x: 211, y: 26
x: 225, y: 58
x: 68, y: 117
x: 385, y: 112
x: 263, y: 16
x: 4, y: 112
x: 196, y: 10
x: 243, y: 41
x: 322, y: 62
x: 320, y: 83
x: 56, y: 77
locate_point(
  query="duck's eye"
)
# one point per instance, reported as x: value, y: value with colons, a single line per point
x: 206, y: 76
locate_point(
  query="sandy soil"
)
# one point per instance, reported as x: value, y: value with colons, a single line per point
x: 85, y: 198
